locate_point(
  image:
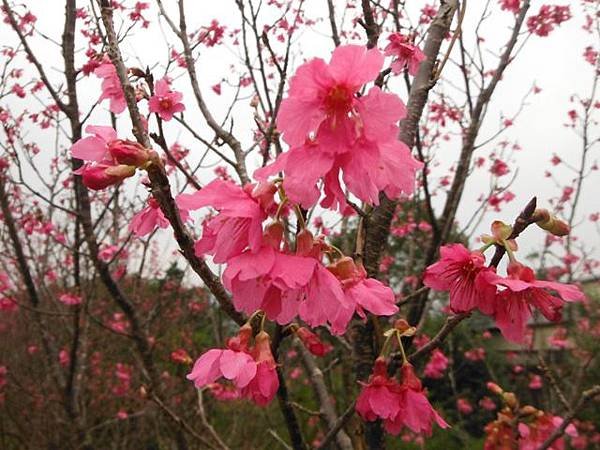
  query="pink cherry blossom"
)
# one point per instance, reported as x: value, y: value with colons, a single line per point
x: 238, y: 224
x: 416, y: 412
x: 511, y: 5
x: 379, y: 398
x: 151, y: 217
x: 165, y: 102
x: 533, y: 435
x: 312, y: 342
x: 70, y: 299
x: 406, y: 54
x: 108, y: 160
x: 371, y: 159
x: 234, y: 363
x: 362, y: 292
x: 464, y: 406
x: 464, y: 274
x: 322, y: 97
x: 513, y: 305
x: 111, y: 87
x: 437, y: 365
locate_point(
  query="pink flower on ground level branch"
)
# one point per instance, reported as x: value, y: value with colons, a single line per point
x: 165, y: 102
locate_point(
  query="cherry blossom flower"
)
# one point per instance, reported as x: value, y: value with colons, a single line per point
x: 312, y: 342
x: 406, y: 54
x: 151, y: 217
x: 464, y: 406
x: 437, y: 365
x: 464, y: 274
x: 513, y: 305
x: 331, y: 129
x: 548, y: 17
x: 536, y: 382
x: 238, y: 224
x: 70, y: 299
x: 111, y: 87
x: 165, y: 102
x: 533, y: 435
x: 364, y: 293
x: 416, y: 412
x: 234, y: 363
x: 379, y: 397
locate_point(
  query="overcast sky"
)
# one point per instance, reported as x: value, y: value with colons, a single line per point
x: 554, y: 64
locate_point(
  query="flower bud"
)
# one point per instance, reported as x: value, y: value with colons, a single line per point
x: 128, y: 152
x: 550, y: 223
x: 273, y: 234
x: 100, y: 176
x: 494, y: 388
x: 304, y: 242
x: 312, y: 342
x: 510, y: 399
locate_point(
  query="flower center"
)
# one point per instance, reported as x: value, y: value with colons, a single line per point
x: 338, y: 100
x: 166, y: 103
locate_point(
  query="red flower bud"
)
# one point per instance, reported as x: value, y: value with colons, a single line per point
x: 312, y: 342
x: 100, y: 176
x: 128, y: 152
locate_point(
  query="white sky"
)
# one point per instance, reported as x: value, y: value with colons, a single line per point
x: 554, y: 63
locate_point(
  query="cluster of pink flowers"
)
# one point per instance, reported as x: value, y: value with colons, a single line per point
x: 331, y: 129
x: 398, y: 404
x: 251, y: 370
x: 108, y: 160
x: 509, y: 300
x: 262, y: 272
x: 549, y: 17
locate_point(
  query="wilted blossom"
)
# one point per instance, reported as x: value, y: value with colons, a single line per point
x: 405, y: 53
x: 464, y: 275
x: 165, y: 102
x: 398, y: 404
x: 513, y: 305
